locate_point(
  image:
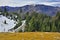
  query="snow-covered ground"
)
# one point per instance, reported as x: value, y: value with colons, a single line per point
x: 21, y: 27
x: 5, y: 27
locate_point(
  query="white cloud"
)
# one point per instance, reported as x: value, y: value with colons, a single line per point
x: 11, y: 3
x: 5, y: 2
x: 22, y: 3
x: 15, y: 3
x: 50, y: 3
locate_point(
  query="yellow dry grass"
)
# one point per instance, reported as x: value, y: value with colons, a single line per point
x: 30, y: 36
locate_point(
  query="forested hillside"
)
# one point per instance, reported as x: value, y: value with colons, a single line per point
x: 42, y: 22
x: 35, y: 21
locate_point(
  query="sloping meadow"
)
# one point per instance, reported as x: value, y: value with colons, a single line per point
x: 30, y: 36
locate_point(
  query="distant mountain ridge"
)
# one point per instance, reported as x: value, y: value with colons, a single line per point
x: 50, y: 10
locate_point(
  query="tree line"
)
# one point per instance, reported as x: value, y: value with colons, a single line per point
x: 42, y: 22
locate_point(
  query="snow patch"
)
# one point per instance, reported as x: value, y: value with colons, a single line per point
x: 5, y: 27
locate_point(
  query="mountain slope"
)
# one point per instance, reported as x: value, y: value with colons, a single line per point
x: 50, y: 10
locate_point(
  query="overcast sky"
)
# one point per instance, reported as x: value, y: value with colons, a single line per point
x: 27, y: 2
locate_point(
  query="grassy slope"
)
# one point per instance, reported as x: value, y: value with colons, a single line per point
x: 30, y: 36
